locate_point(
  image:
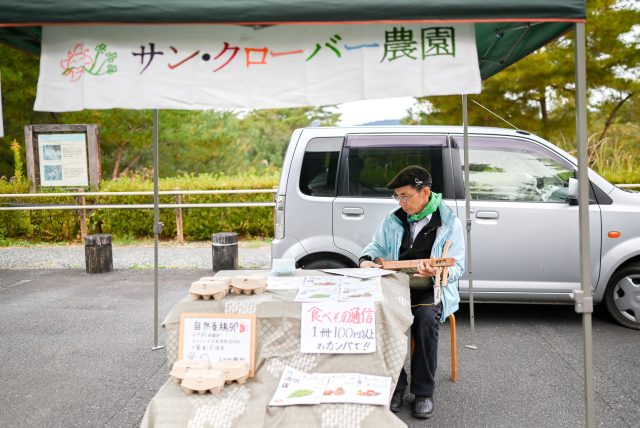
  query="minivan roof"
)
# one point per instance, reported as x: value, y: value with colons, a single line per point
x: 448, y: 129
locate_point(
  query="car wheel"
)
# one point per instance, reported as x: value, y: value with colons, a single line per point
x: 325, y: 264
x: 622, y: 296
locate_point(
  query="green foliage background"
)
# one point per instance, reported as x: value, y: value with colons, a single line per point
x: 245, y: 149
x: 198, y: 223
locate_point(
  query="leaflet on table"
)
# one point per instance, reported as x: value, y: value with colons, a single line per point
x: 277, y: 283
x: 357, y: 388
x: 359, y: 272
x: 361, y: 290
x: 297, y: 387
x: 338, y: 288
x: 319, y: 289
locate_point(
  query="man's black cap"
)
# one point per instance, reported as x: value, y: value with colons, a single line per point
x: 414, y: 175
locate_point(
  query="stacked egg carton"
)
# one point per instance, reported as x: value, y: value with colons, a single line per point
x: 203, y: 376
x: 217, y: 287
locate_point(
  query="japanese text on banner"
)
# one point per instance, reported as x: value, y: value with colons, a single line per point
x: 226, y: 66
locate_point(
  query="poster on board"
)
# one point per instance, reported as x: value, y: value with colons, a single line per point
x: 218, y: 337
x: 63, y: 160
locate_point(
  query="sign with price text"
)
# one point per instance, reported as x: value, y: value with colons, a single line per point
x: 338, y: 328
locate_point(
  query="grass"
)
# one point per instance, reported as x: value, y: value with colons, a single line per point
x: 128, y: 241
x: 10, y: 242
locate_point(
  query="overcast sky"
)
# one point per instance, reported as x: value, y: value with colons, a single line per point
x: 360, y: 112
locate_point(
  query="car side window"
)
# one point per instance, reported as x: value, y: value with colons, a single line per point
x: 372, y: 161
x: 514, y: 170
x: 320, y: 166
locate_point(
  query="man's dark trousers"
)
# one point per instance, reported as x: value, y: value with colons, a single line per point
x: 424, y: 361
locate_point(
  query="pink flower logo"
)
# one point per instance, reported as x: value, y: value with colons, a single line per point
x: 79, y: 61
x: 76, y: 62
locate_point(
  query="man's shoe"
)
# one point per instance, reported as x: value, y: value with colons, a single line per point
x: 396, y: 401
x: 422, y: 408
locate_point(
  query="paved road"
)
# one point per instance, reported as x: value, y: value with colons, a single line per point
x: 76, y: 352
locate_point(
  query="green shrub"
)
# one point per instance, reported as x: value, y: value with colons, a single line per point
x: 198, y: 223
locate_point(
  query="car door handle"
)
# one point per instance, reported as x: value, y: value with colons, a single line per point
x: 492, y: 215
x: 352, y: 211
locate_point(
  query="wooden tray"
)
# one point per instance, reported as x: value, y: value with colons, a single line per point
x: 412, y: 264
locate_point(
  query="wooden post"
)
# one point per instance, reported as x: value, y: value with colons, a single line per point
x: 225, y: 251
x: 97, y: 253
x: 83, y: 215
x: 31, y: 158
x: 179, y: 232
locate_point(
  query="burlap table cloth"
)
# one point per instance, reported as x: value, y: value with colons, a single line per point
x: 277, y: 346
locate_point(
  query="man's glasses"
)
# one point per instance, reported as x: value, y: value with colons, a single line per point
x: 403, y: 198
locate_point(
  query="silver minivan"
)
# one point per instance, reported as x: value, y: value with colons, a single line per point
x: 332, y: 196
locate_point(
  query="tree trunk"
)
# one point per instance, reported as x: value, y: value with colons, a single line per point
x: 613, y: 114
x: 544, y: 114
x: 135, y: 159
x: 116, y: 161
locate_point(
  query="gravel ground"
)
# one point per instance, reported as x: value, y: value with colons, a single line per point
x: 251, y: 255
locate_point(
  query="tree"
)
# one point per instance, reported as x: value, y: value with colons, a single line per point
x: 537, y: 93
x: 19, y: 74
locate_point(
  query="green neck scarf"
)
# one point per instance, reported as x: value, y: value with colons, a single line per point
x: 430, y: 208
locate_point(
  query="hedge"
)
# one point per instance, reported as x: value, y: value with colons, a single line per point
x: 198, y: 223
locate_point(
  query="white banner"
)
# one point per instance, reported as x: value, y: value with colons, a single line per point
x: 225, y: 66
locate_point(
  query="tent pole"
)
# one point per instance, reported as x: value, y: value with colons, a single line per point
x: 584, y: 301
x: 157, y: 228
x: 467, y: 205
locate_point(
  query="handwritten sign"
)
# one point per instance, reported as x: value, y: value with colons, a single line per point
x: 218, y: 337
x: 231, y: 66
x: 338, y: 328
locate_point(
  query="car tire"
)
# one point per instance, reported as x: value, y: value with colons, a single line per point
x: 622, y: 296
x: 325, y: 264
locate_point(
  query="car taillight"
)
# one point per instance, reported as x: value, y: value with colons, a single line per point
x: 279, y: 217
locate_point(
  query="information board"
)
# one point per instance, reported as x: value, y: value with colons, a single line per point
x: 218, y: 337
x: 63, y: 160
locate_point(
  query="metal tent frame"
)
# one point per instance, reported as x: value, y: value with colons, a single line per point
x: 540, y: 20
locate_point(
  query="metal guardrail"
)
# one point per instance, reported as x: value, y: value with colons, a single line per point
x: 19, y: 206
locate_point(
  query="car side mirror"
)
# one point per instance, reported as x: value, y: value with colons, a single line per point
x: 572, y: 192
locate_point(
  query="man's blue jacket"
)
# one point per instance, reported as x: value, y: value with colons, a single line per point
x: 388, y: 237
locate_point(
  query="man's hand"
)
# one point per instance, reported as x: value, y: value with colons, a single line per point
x: 370, y: 264
x: 425, y: 270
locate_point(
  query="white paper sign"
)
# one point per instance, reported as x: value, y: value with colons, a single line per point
x: 63, y: 160
x: 357, y: 388
x: 338, y: 328
x: 217, y: 337
x: 319, y: 289
x: 227, y: 66
x: 298, y: 387
x: 361, y: 290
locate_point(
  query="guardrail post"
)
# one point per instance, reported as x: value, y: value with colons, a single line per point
x: 225, y: 251
x: 179, y: 232
x: 97, y: 253
x: 83, y: 214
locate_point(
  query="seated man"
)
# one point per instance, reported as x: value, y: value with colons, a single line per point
x: 419, y: 229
